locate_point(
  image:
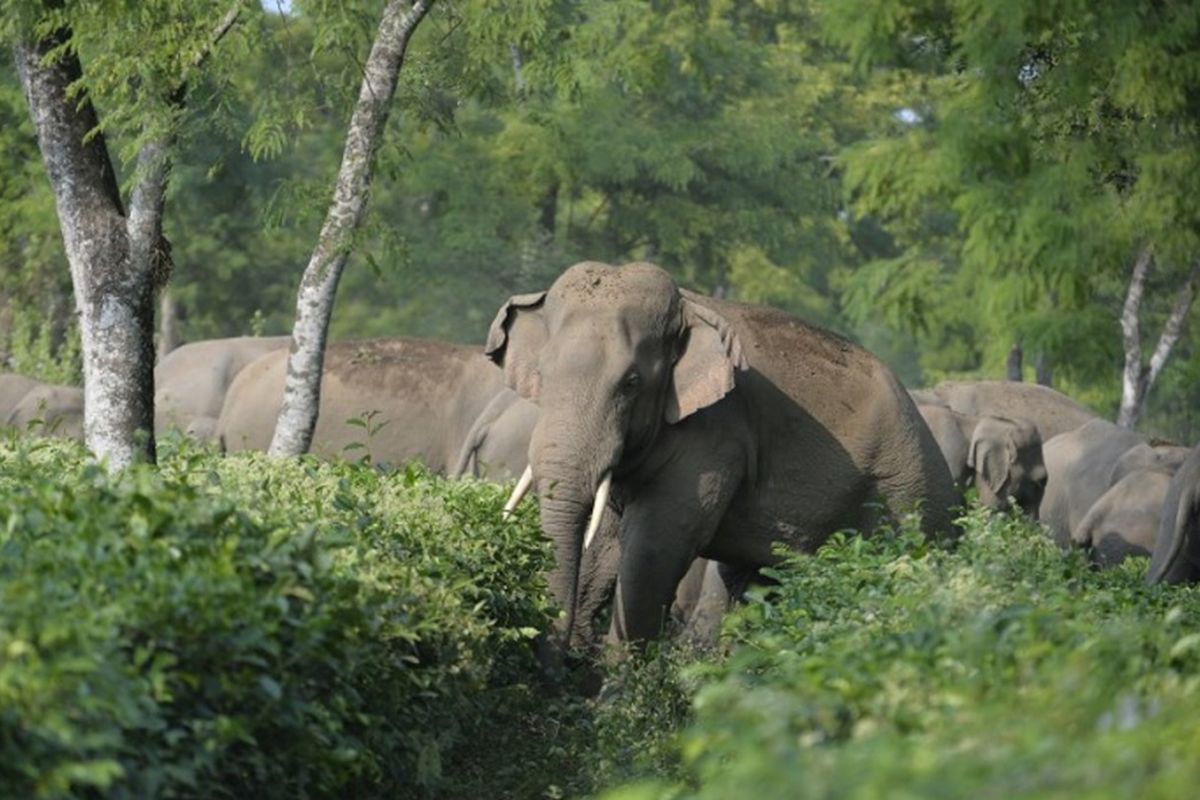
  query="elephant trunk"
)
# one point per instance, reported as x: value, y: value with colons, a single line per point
x: 572, y: 458
x: 565, y: 511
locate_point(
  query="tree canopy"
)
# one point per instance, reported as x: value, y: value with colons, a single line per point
x: 938, y: 179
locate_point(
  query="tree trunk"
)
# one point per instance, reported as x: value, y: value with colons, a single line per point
x: 1139, y: 378
x: 168, y: 323
x: 112, y: 276
x: 1043, y: 370
x: 318, y: 286
x: 1014, y: 365
x: 117, y: 261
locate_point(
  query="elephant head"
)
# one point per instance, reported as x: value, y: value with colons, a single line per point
x: 612, y: 355
x: 1006, y: 457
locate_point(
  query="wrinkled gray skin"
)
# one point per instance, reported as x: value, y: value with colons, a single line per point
x: 191, y: 381
x: 1051, y: 412
x: 1176, y: 556
x: 1125, y: 520
x: 708, y: 590
x: 1145, y: 456
x: 13, y: 388
x: 428, y: 395
x: 726, y: 428
x: 1080, y: 466
x: 498, y: 441
x: 50, y: 409
x: 1002, y: 457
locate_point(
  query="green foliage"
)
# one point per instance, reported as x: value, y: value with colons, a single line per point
x: 241, y: 627
x: 884, y: 667
x: 1047, y: 143
x: 35, y: 285
x: 31, y: 348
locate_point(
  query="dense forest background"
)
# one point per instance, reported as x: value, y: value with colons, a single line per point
x: 938, y: 181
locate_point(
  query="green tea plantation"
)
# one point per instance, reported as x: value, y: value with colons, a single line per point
x: 241, y: 627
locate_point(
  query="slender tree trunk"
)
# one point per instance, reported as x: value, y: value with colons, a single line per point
x: 168, y: 323
x: 318, y: 286
x: 1043, y: 370
x: 1132, y: 377
x: 518, y: 65
x: 1138, y: 377
x: 1013, y: 366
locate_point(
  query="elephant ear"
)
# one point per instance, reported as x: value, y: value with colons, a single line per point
x: 709, y: 357
x: 991, y: 456
x: 515, y: 342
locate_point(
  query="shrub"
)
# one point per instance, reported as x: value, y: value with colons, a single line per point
x: 884, y: 668
x: 243, y: 627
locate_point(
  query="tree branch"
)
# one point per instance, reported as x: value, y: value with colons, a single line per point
x: 146, y: 202
x: 223, y: 27
x: 1174, y: 325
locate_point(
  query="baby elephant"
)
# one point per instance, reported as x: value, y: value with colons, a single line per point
x: 1002, y: 457
x: 1125, y: 520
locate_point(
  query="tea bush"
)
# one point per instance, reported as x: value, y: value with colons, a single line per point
x: 885, y: 668
x: 243, y: 627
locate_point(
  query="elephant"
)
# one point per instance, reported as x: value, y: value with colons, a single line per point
x: 1002, y: 457
x: 413, y: 398
x: 1050, y: 411
x: 13, y: 388
x: 708, y: 589
x: 1176, y: 557
x: 1146, y: 456
x: 722, y: 428
x: 1080, y: 467
x: 191, y: 381
x: 1124, y: 521
x: 499, y: 436
x: 51, y: 409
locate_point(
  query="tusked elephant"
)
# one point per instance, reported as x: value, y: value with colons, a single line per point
x: 723, y: 429
x: 1051, y: 412
x: 1080, y: 466
x: 1002, y: 457
x: 13, y: 388
x: 191, y: 381
x: 1176, y: 557
x: 413, y: 399
x: 1124, y: 521
x: 51, y: 410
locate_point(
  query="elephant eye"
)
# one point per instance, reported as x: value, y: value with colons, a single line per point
x: 631, y: 380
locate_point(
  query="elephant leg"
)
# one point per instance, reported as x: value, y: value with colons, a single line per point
x: 662, y: 531
x: 723, y: 586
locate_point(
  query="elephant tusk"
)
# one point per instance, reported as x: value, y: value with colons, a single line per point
x: 519, y: 492
x: 598, y: 509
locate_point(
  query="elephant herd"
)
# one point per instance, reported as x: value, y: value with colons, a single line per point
x: 675, y: 439
x: 27, y: 404
x: 1092, y: 484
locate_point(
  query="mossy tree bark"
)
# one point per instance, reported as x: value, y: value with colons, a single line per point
x: 318, y: 286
